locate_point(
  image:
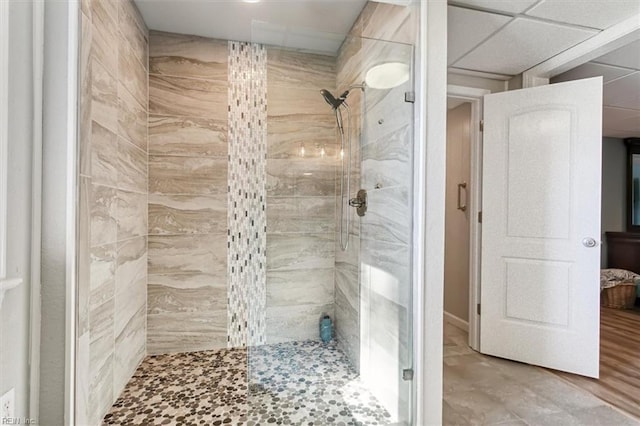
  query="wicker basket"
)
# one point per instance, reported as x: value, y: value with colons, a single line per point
x: 622, y: 296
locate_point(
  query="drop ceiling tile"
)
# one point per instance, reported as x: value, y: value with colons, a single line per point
x: 617, y: 122
x: 589, y: 13
x: 626, y: 56
x: 520, y: 45
x: 592, y: 70
x: 624, y: 92
x: 513, y: 6
x: 467, y: 28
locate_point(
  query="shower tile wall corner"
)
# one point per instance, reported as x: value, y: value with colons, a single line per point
x: 112, y: 293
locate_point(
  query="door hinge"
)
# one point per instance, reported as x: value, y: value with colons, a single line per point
x: 479, y: 217
x: 407, y: 374
x: 410, y: 97
x: 482, y: 125
x: 478, y: 308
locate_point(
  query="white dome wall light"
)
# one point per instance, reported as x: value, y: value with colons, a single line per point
x: 387, y: 75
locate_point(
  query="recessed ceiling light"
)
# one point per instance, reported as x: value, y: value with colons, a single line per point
x: 251, y: 1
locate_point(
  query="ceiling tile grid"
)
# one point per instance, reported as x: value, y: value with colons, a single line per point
x: 627, y: 56
x: 591, y: 69
x: 522, y: 44
x: 509, y: 6
x: 468, y: 28
x: 599, y: 14
x: 623, y: 92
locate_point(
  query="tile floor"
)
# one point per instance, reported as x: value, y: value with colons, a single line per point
x: 308, y: 383
x: 482, y: 390
x: 300, y: 383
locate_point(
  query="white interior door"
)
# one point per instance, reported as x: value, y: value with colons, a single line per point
x: 541, y: 226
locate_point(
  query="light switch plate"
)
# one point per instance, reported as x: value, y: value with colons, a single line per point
x: 8, y: 405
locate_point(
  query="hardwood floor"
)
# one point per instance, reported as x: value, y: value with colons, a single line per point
x: 619, y: 382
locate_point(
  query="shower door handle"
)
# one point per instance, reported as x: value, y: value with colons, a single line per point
x: 462, y: 186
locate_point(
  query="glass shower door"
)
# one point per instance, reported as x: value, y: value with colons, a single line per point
x: 317, y: 136
x: 386, y: 158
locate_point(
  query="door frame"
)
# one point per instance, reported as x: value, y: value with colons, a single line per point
x: 474, y: 96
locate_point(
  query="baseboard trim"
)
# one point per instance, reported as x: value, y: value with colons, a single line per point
x: 456, y: 321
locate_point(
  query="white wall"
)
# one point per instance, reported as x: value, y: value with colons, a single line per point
x: 14, y: 323
x: 58, y: 206
x: 614, y: 187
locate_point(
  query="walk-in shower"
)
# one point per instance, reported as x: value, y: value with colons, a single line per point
x: 215, y: 206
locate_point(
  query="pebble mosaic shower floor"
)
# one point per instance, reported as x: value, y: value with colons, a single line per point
x: 298, y: 383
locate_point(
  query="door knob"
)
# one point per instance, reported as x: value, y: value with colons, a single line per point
x: 589, y: 242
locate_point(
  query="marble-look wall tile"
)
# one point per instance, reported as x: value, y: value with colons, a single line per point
x: 188, y: 56
x: 165, y: 334
x: 188, y: 280
x: 130, y: 349
x: 301, y: 214
x: 101, y: 392
x: 86, y: 86
x: 317, y: 134
x: 104, y: 226
x: 190, y: 137
x: 296, y: 101
x: 165, y: 300
x: 303, y: 154
x: 291, y: 323
x: 104, y: 156
x: 131, y: 215
x: 104, y: 94
x: 133, y: 30
x: 180, y: 332
x: 387, y: 162
x: 382, y: 21
x: 132, y: 73
x: 349, y: 67
x: 390, y: 273
x: 287, y: 252
x: 103, y: 274
x: 301, y: 177
x: 132, y: 119
x: 187, y: 175
x: 169, y: 254
x: 187, y: 214
x: 83, y: 293
x: 131, y: 268
x: 132, y: 167
x: 127, y: 303
x: 85, y: 8
x: 83, y: 379
x: 187, y: 97
x: 394, y: 112
x: 300, y: 287
x: 347, y: 326
x: 104, y: 44
x: 113, y: 165
x: 133, y: 18
x: 290, y: 69
x: 388, y: 215
x: 347, y: 279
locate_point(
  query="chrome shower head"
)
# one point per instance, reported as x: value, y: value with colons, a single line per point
x: 331, y: 100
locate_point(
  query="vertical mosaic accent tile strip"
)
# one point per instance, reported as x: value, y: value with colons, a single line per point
x: 246, y: 290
